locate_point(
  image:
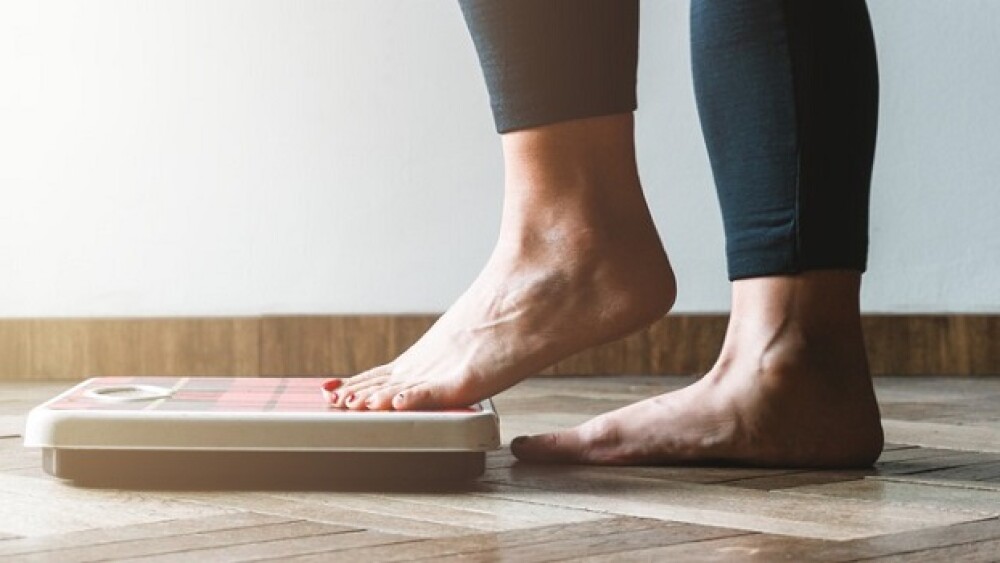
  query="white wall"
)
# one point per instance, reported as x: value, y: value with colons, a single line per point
x: 217, y: 157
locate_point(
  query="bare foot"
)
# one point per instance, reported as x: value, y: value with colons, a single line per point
x: 578, y: 263
x: 793, y: 393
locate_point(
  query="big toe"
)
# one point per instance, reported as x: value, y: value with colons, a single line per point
x: 599, y: 441
x: 565, y: 446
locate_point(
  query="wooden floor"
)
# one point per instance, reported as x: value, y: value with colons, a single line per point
x: 933, y: 496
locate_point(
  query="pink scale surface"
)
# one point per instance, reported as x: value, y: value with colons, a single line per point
x: 217, y: 394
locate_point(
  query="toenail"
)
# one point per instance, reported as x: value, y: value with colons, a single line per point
x: 350, y: 398
x: 334, y: 397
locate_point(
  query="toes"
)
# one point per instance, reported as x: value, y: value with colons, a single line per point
x: 335, y: 391
x: 358, y: 399
x: 564, y: 446
x: 431, y: 395
x: 381, y: 399
x: 594, y: 442
x: 353, y: 385
x: 329, y: 389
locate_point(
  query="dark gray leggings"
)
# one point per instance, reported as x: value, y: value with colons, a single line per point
x: 787, y: 91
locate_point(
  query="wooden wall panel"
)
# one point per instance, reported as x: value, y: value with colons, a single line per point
x: 77, y: 348
x: 345, y: 345
x: 686, y: 344
x: 339, y: 345
x: 934, y: 344
x: 677, y: 344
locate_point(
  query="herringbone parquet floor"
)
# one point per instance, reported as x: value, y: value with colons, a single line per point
x: 933, y: 496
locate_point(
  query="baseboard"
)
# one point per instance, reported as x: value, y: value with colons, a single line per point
x: 40, y: 349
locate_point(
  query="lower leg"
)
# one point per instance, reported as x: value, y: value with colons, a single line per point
x: 578, y: 262
x: 791, y: 388
x: 787, y: 93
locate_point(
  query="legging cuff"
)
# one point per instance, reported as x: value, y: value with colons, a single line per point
x: 759, y: 263
x: 547, y: 61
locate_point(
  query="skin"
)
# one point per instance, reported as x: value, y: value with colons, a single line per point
x: 578, y: 263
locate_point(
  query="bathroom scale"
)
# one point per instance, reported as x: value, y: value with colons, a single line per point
x: 236, y: 430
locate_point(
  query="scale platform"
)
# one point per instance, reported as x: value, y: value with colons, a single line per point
x: 235, y: 431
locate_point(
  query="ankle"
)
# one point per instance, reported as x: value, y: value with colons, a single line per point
x: 821, y: 306
x: 581, y: 171
x: 576, y: 152
x: 785, y: 324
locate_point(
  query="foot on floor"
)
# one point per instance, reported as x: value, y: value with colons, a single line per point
x: 780, y: 395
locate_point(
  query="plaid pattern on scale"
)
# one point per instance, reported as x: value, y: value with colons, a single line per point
x: 212, y: 394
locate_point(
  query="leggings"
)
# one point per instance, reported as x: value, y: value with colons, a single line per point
x: 787, y: 93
